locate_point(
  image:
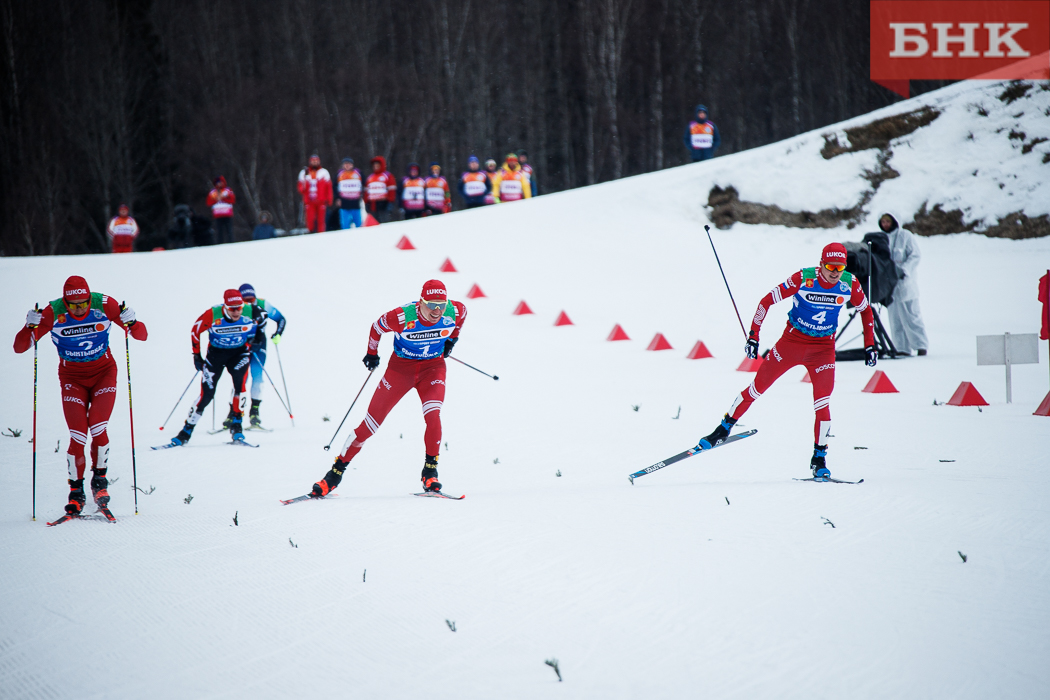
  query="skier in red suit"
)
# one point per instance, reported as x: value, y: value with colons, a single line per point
x: 315, y: 184
x: 819, y: 293
x: 221, y: 200
x: 123, y: 230
x: 380, y: 191
x: 424, y: 334
x: 87, y: 373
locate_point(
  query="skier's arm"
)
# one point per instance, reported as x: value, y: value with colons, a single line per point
x: 461, y: 317
x: 860, y: 302
x: 26, y: 335
x: 112, y: 309
x: 780, y: 292
x: 391, y: 321
x: 202, y: 324
x: 277, y: 316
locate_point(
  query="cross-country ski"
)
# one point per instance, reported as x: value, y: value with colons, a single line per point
x: 689, y: 453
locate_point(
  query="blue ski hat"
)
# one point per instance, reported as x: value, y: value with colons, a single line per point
x: 247, y: 290
x: 700, y: 108
x: 473, y: 159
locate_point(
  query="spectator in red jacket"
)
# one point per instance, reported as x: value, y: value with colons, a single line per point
x: 123, y: 230
x: 315, y: 184
x: 221, y: 200
x: 380, y: 191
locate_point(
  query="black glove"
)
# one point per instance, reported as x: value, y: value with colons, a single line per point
x: 751, y: 348
x: 198, y: 361
x: 371, y: 361
x: 449, y: 344
x: 872, y: 356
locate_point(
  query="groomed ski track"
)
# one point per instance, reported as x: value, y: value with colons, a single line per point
x: 658, y: 590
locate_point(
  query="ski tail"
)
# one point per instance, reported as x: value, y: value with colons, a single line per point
x: 689, y: 453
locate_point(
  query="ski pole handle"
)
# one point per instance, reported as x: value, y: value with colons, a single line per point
x: 329, y: 445
x: 490, y: 376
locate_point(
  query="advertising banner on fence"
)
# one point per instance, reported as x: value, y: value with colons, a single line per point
x: 958, y: 40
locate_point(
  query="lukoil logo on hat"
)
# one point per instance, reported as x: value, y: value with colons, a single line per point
x: 434, y: 290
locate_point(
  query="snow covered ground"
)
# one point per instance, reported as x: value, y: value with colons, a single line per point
x: 716, y: 577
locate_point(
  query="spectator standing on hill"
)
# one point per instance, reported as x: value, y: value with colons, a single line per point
x: 474, y: 184
x: 701, y: 136
x: 380, y: 191
x: 439, y: 198
x: 221, y: 200
x: 264, y: 229
x: 906, y: 327
x: 180, y: 233
x: 413, y: 193
x: 523, y: 159
x: 348, y: 187
x: 511, y: 183
x: 315, y: 184
x: 123, y: 230
x: 491, y: 170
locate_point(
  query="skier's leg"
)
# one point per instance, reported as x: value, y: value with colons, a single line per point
x: 395, y: 383
x: 238, y: 366
x: 210, y: 375
x: 821, y: 367
x: 431, y: 389
x: 258, y: 361
x: 74, y: 406
x: 103, y: 396
x: 782, y: 356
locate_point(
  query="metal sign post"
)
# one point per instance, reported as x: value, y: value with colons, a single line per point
x: 1008, y: 349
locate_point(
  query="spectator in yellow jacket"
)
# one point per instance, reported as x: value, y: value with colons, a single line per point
x: 511, y: 183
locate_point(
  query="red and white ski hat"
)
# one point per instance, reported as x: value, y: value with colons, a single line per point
x: 232, y: 299
x: 834, y: 253
x: 434, y: 290
x: 76, y: 289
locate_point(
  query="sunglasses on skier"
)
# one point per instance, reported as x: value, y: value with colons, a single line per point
x: 78, y: 306
x: 434, y: 305
x: 831, y: 267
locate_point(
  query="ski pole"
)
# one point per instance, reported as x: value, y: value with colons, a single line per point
x: 473, y: 367
x: 708, y: 229
x: 326, y: 447
x: 131, y: 414
x: 36, y: 307
x: 180, y: 399
x: 281, y: 366
x: 279, y: 395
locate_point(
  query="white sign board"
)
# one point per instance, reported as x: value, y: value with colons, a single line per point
x: 1008, y: 349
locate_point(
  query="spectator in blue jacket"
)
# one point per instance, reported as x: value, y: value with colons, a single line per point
x: 701, y: 136
x: 263, y: 229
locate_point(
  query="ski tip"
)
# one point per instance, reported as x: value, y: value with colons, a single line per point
x: 631, y: 477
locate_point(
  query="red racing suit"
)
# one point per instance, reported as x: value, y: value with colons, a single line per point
x: 426, y: 375
x: 315, y: 185
x: 800, y: 345
x: 122, y: 231
x: 88, y: 388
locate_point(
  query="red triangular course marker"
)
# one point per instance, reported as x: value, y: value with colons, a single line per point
x: 447, y: 266
x: 563, y: 320
x: 618, y: 333
x: 879, y: 384
x: 749, y: 365
x: 806, y: 379
x: 659, y: 342
x: 475, y: 293
x: 1044, y: 408
x: 967, y: 395
x: 522, y: 309
x: 405, y: 244
x: 371, y: 220
x: 699, y: 351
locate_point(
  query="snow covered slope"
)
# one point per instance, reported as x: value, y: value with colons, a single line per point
x: 716, y: 577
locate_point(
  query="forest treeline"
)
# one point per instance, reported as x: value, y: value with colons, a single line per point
x: 110, y: 101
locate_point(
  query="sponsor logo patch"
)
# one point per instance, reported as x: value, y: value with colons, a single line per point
x: 77, y: 331
x: 824, y: 298
x: 106, y: 390
x: 820, y: 369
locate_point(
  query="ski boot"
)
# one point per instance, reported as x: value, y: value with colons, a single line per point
x: 235, y: 429
x: 817, y: 463
x: 326, y: 485
x: 184, y: 435
x: 227, y: 424
x: 99, y: 486
x: 719, y: 435
x: 253, y: 414
x: 430, y: 475
x: 76, y: 497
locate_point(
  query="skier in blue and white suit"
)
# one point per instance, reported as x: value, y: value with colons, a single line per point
x: 259, y: 348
